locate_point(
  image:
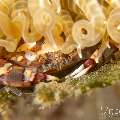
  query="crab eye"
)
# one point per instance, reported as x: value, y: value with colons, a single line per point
x: 31, y: 56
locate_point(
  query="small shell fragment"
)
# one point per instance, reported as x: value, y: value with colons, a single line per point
x: 31, y: 56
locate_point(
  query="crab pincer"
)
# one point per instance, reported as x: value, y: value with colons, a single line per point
x: 91, y: 62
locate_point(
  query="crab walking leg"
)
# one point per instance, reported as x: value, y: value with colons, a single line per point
x: 26, y: 84
x: 14, y: 75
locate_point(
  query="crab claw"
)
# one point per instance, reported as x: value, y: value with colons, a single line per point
x: 100, y: 56
x: 83, y: 69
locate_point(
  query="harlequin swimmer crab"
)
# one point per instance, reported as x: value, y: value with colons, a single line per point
x: 27, y: 69
x: 37, y: 42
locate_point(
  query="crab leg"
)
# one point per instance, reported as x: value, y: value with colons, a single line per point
x: 24, y: 84
x: 21, y: 77
x: 89, y: 64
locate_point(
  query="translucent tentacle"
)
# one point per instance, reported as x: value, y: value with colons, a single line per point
x: 5, y: 6
x: 69, y: 45
x: 54, y: 5
x: 10, y: 45
x: 67, y: 22
x: 8, y: 27
x: 113, y: 25
x: 71, y: 6
x: 21, y: 15
x: 94, y: 13
x: 89, y: 32
x: 83, y: 33
x: 113, y: 3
